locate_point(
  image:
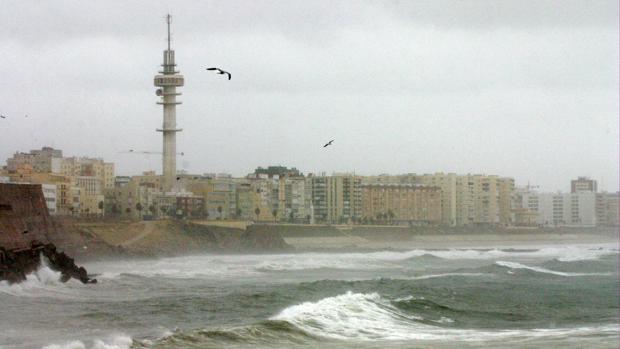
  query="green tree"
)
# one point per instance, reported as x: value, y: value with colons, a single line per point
x: 257, y: 213
x: 139, y: 209
x: 291, y: 217
x: 100, y: 206
x: 238, y: 213
x: 274, y: 213
x: 390, y: 216
x: 219, y: 210
x: 152, y: 209
x: 163, y: 210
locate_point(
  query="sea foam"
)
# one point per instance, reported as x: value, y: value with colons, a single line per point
x: 370, y: 317
x: 114, y: 342
x: 42, y: 278
x: 515, y: 265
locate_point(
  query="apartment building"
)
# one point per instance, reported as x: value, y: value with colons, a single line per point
x: 91, y: 167
x: 337, y: 198
x: 401, y: 203
x: 40, y: 160
x: 561, y: 209
x: 583, y: 184
x: 294, y: 201
x: 607, y: 210
x: 465, y: 199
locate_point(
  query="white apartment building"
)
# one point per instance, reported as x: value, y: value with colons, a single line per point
x: 561, y: 209
x: 49, y: 194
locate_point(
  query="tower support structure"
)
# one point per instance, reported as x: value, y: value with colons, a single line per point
x: 168, y: 80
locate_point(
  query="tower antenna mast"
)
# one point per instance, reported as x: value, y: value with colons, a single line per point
x: 168, y: 20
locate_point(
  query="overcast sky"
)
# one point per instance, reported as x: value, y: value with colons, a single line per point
x: 527, y: 89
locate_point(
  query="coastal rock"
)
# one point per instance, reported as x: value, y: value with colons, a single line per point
x: 16, y: 264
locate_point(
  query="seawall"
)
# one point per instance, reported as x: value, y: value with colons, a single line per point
x: 171, y: 237
x: 27, y: 232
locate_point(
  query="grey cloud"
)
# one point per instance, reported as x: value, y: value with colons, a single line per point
x: 509, y: 87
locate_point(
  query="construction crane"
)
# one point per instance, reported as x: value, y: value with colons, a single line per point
x: 131, y: 151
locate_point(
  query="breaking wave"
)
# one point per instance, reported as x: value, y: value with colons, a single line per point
x: 115, y: 342
x: 389, y: 259
x: 561, y: 253
x: 234, y: 266
x: 515, y: 265
x: 42, y: 278
x: 370, y: 317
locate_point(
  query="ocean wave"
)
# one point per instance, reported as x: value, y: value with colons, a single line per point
x: 186, y: 267
x: 561, y: 253
x: 114, y: 342
x: 433, y: 276
x: 262, y: 334
x: 350, y: 316
x: 370, y: 317
x: 394, y: 259
x: 44, y: 278
x: 235, y: 266
x: 515, y: 265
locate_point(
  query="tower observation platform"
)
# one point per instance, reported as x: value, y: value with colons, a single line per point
x: 168, y: 80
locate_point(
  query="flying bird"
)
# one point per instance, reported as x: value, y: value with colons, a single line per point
x: 328, y: 143
x: 3, y: 116
x: 220, y: 71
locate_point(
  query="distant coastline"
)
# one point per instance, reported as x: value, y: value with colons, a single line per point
x: 170, y: 237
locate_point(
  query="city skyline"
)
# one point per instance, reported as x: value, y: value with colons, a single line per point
x: 534, y: 97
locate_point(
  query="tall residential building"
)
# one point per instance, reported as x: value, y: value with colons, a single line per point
x: 219, y: 194
x: 65, y: 200
x: 294, y: 203
x: 524, y: 207
x: 583, y: 184
x: 483, y: 199
x: 134, y: 200
x: 92, y: 167
x: 279, y: 171
x: 267, y: 196
x: 337, y: 198
x: 607, y: 210
x: 246, y: 200
x: 403, y: 203
x: 465, y: 199
x: 49, y: 194
x: 40, y: 160
x: 561, y: 209
x: 92, y: 176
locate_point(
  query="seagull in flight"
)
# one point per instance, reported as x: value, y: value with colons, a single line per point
x: 328, y: 143
x: 220, y: 71
x: 3, y: 116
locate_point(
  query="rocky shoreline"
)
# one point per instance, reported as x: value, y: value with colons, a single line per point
x: 15, y: 265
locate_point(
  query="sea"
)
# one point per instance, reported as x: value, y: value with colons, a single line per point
x: 546, y: 296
